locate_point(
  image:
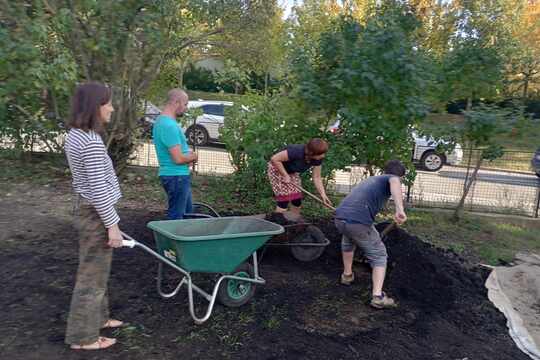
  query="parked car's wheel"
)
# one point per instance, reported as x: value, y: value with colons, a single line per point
x: 197, y: 135
x: 431, y: 161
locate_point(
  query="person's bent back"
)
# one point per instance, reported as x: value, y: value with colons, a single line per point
x: 354, y: 220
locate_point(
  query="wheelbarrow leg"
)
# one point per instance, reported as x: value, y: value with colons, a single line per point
x: 212, y: 298
x: 185, y: 280
x: 160, y: 280
x: 256, y: 268
x: 130, y: 242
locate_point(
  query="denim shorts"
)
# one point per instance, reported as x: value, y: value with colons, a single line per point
x: 367, y: 238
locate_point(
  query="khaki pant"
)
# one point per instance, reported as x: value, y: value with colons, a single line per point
x: 89, y: 309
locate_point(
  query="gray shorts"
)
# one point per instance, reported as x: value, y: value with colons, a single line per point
x: 366, y: 237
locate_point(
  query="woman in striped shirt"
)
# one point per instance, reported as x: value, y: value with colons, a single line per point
x: 97, y: 192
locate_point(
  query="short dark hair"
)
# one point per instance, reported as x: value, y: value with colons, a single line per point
x: 316, y: 146
x: 394, y: 167
x: 86, y: 104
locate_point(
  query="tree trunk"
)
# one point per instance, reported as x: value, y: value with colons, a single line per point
x: 181, y: 72
x: 180, y: 77
x: 468, y: 168
x: 121, y: 138
x: 469, y: 104
x: 266, y: 81
x: 459, y: 209
x: 525, y: 87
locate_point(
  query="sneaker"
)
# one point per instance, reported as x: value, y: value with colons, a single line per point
x: 347, y: 279
x: 382, y: 302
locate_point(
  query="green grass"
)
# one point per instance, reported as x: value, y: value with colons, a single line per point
x: 491, y: 240
x: 519, y: 143
x: 39, y: 169
x: 522, y: 137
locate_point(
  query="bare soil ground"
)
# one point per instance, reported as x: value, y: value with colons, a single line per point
x: 301, y: 313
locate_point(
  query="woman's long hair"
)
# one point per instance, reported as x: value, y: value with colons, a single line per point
x: 85, y: 106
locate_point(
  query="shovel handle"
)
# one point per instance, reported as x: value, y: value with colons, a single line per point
x: 389, y: 228
x: 313, y: 196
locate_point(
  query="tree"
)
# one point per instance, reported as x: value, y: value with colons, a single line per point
x: 474, y: 64
x: 258, y: 47
x: 374, y: 78
x: 37, y: 74
x: 473, y: 71
x: 232, y: 74
x: 479, y: 131
x: 524, y: 63
x: 438, y: 24
x: 258, y: 128
x: 125, y: 44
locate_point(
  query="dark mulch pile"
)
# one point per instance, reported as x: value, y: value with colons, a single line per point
x: 301, y: 312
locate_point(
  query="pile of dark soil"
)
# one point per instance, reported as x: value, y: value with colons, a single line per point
x: 300, y: 313
x: 277, y: 218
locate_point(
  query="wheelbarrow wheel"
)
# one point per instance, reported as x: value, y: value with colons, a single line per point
x: 235, y: 293
x: 312, y: 235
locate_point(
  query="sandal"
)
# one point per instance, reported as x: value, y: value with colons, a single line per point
x: 112, y: 323
x: 101, y: 343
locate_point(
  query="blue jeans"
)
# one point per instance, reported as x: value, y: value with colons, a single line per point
x: 178, y: 189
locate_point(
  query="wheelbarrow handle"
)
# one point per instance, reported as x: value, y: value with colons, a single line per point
x: 127, y: 240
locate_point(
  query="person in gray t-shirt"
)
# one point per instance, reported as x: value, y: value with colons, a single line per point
x: 355, y: 216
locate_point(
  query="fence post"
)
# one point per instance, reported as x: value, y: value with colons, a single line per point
x: 537, y: 201
x: 409, y: 185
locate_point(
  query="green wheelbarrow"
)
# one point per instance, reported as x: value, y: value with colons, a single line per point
x: 211, y: 245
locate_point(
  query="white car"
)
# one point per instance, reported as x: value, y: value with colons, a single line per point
x: 203, y: 129
x: 426, y: 155
x: 425, y: 151
x: 206, y: 127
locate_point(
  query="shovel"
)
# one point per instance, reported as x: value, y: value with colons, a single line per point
x: 313, y: 196
x: 383, y: 234
x: 360, y: 259
x: 387, y: 229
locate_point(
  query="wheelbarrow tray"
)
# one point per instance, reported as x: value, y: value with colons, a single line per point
x: 211, y: 245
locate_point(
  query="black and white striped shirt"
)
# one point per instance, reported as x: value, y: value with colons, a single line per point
x: 93, y: 173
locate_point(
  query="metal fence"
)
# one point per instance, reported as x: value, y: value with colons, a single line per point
x: 506, y: 185
x: 493, y: 191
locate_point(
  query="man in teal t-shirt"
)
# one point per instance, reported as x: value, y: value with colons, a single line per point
x: 174, y: 155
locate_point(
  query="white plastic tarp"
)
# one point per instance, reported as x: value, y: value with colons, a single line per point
x: 515, y: 291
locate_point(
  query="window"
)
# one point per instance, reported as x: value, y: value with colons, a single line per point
x: 214, y: 110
